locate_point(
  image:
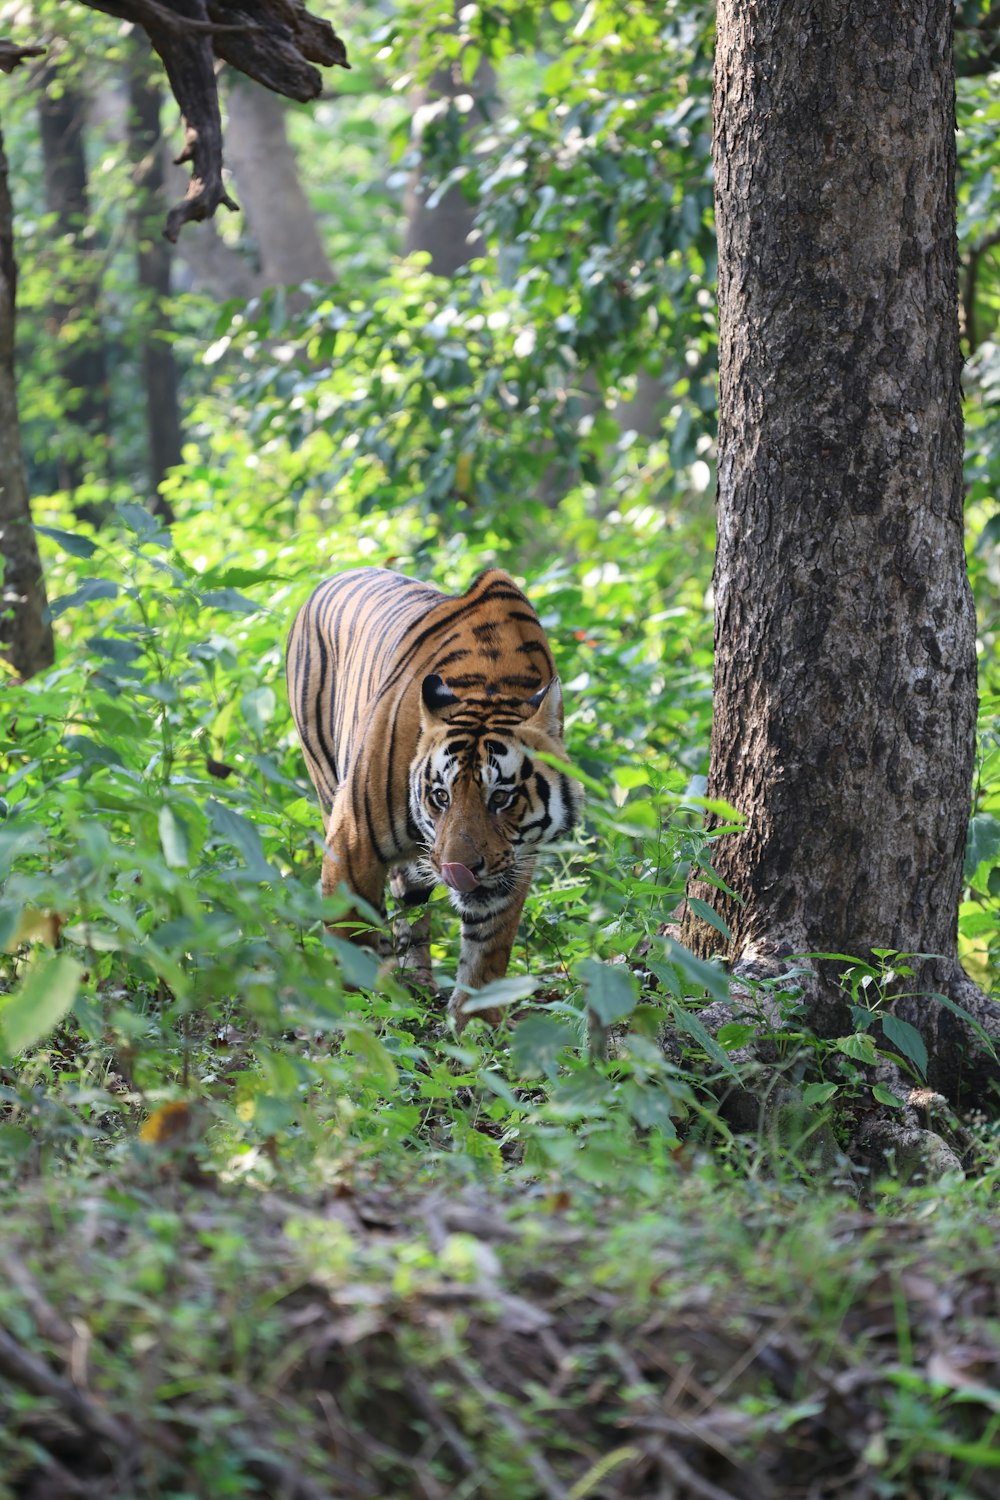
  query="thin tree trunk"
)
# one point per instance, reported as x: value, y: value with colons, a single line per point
x: 269, y: 189
x: 445, y: 227
x: 845, y: 682
x: 82, y: 361
x: 25, y: 630
x: 153, y: 254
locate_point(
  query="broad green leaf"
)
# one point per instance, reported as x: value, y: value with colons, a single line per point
x: 699, y: 974
x: 241, y: 833
x: 629, y: 777
x: 735, y: 1034
x: 688, y: 1022
x: 173, y: 839
x: 500, y: 992
x: 231, y: 601
x: 537, y: 1043
x: 258, y: 707
x: 358, y: 966
x: 44, y: 997
x: 906, y: 1039
x: 709, y: 914
x: 498, y: 1085
x: 89, y: 590
x: 69, y: 541
x: 612, y: 993
x: 886, y: 1096
x: 138, y: 520
x: 16, y: 839
x: 818, y: 1093
x: 366, y: 1045
x: 970, y: 1020
x: 652, y: 1108
x: 982, y: 842
x: 860, y: 1046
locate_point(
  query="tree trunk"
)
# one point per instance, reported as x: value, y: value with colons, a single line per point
x: 25, y: 630
x: 82, y: 361
x: 267, y: 181
x: 445, y: 227
x: 153, y: 255
x: 845, y: 679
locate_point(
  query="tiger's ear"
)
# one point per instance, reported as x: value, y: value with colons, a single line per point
x: 435, y: 696
x: 548, y: 708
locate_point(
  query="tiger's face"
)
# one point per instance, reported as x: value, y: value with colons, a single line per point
x: 479, y: 795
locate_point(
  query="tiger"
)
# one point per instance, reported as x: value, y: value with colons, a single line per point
x: 423, y: 718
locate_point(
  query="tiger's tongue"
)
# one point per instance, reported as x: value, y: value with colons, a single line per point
x: 459, y: 877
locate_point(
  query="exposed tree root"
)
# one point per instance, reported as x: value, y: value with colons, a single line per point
x: 959, y: 1024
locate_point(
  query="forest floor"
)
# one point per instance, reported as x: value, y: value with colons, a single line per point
x: 167, y: 1333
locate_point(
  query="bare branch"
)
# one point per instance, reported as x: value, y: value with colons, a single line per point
x: 12, y: 55
x: 274, y: 41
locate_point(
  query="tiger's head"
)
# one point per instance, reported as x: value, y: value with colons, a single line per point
x: 480, y: 796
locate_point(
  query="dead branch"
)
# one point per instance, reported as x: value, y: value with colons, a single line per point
x: 11, y: 55
x: 276, y: 42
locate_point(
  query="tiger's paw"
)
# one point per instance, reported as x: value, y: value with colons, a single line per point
x: 460, y: 1016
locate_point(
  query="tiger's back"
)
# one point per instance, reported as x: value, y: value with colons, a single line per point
x: 420, y: 714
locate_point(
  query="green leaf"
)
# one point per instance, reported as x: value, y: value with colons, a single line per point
x: 69, y: 541
x: 15, y: 1142
x: 358, y: 965
x: 687, y: 1021
x: 231, y: 601
x: 537, y: 1043
x: 137, y: 519
x: 886, y: 1096
x: 238, y: 831
x: 710, y: 915
x: 735, y: 1034
x: 17, y: 838
x: 173, y: 839
x: 859, y: 1045
x: 258, y: 707
x: 906, y: 1039
x: 982, y: 842
x: 629, y: 777
x: 818, y: 1093
x: 39, y: 1003
x: 652, y: 1108
x: 970, y: 1020
x: 612, y: 993
x: 500, y: 992
x: 496, y: 1084
x: 699, y: 974
x: 364, y: 1044
x: 89, y: 590
x: 238, y: 578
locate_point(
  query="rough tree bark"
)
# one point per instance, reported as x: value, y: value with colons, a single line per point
x: 25, y: 630
x: 845, y: 687
x: 82, y: 362
x: 153, y: 257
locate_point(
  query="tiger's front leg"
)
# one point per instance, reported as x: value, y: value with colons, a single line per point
x: 353, y: 862
x: 489, y: 927
x: 411, y: 936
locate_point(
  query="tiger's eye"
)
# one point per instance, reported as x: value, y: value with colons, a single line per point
x: 500, y: 800
x: 440, y: 796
